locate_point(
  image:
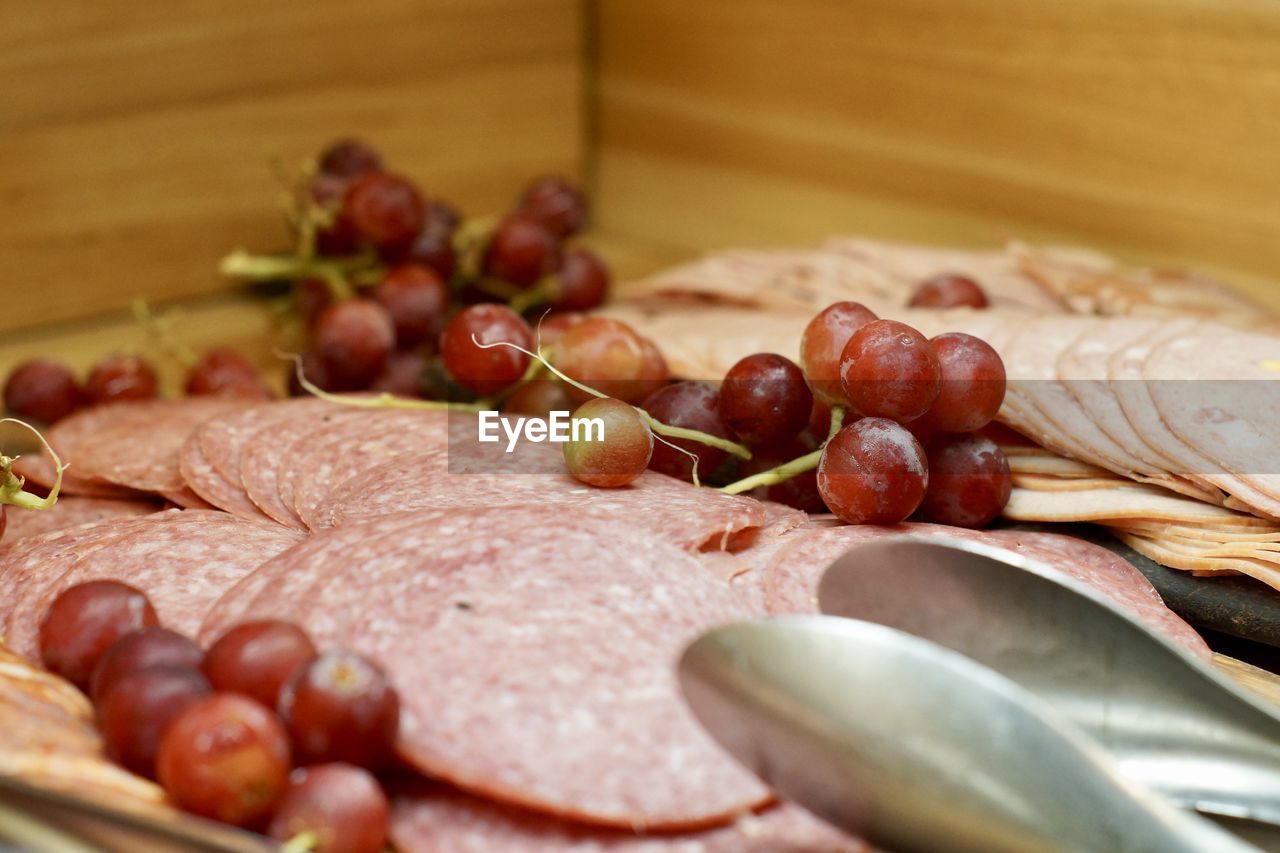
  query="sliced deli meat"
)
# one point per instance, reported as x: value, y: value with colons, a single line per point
x: 534, y: 651
x: 67, y: 512
x: 203, y: 479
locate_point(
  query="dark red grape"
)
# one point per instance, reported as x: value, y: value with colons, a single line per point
x: 84, y: 621
x: 692, y: 405
x: 973, y: 383
x: 256, y: 658
x: 133, y: 714
x: 610, y: 357
x: 338, y: 238
x: 384, y: 210
x: 889, y: 370
x: 539, y: 398
x: 313, y: 368
x: 353, y: 339
x: 614, y: 456
x: 342, y: 806
x: 310, y: 298
x: 521, y: 251
x: 121, y: 377
x: 969, y: 481
x: 582, y: 283
x: 487, y: 369
x: 949, y: 290
x: 140, y: 650
x: 403, y: 375
x: 348, y: 158
x: 557, y: 204
x: 417, y: 300
x: 225, y: 757
x: 822, y: 344
x: 340, y: 707
x: 764, y: 400
x: 433, y: 247
x: 873, y: 472
x: 41, y: 390
x: 227, y: 373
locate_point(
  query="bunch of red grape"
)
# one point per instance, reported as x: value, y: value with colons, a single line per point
x: 260, y: 731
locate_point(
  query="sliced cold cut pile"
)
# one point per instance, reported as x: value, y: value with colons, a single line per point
x: 427, y: 818
x: 534, y: 651
x: 204, y: 480
x: 182, y: 559
x: 797, y: 568
x: 69, y: 511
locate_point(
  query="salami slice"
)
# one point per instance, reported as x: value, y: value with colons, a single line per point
x: 264, y: 466
x: 183, y: 560
x: 38, y: 471
x: 68, y: 512
x: 534, y: 651
x: 427, y: 818
x: 205, y: 481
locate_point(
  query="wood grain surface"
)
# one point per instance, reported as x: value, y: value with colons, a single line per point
x: 1146, y: 127
x: 134, y: 137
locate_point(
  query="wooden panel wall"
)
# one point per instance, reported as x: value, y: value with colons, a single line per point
x: 134, y: 136
x: 1145, y: 126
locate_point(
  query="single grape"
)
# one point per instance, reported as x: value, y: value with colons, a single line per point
x: 349, y: 158
x: 557, y: 204
x: 339, y: 238
x: 133, y: 714
x: 441, y: 217
x: 521, y: 251
x: 340, y: 707
x: 310, y: 297
x: 225, y: 757
x: 611, y: 452
x: 256, y: 658
x: 822, y: 344
x: 403, y: 375
x: 465, y: 347
x: 949, y: 290
x: 800, y: 491
x: 417, y: 300
x: 692, y: 405
x: 432, y: 248
x: 121, y: 377
x: 41, y: 390
x: 84, y: 621
x: 552, y: 328
x: 969, y: 481
x: 820, y: 419
x: 384, y: 210
x: 342, y: 806
x: 654, y: 373
x: 873, y: 472
x: 582, y: 283
x: 609, y: 356
x: 353, y: 339
x: 225, y: 372
x: 538, y: 398
x: 764, y: 400
x: 889, y: 370
x: 142, y: 649
x: 973, y: 383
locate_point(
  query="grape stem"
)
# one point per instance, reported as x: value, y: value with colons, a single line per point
x: 160, y: 330
x: 243, y: 264
x: 383, y: 400
x: 546, y: 289
x: 787, y: 470
x: 11, y: 485
x: 301, y: 843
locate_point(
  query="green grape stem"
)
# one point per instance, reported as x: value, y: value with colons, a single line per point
x: 787, y: 470
x: 383, y: 400
x: 11, y: 485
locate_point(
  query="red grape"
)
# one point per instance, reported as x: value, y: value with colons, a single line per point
x: 555, y: 203
x: 84, y: 621
x: 41, y: 390
x: 822, y: 344
x: 889, y: 370
x: 339, y: 238
x: 225, y: 372
x: 949, y: 290
x: 403, y: 375
x: 354, y: 339
x: 225, y: 757
x: 969, y: 481
x: 489, y: 369
x: 539, y: 398
x: 583, y: 281
x: 384, y: 210
x: 313, y: 368
x: 692, y: 405
x: 521, y: 251
x: 873, y: 472
x: 121, y: 377
x: 800, y: 491
x: 417, y: 301
x: 348, y: 158
x: 340, y: 707
x: 256, y: 658
x: 764, y: 399
x: 552, y: 329
x: 973, y: 383
x: 133, y: 714
x: 616, y: 455
x: 654, y: 372
x: 609, y: 356
x: 139, y: 650
x: 310, y: 298
x: 342, y: 806
x: 433, y: 247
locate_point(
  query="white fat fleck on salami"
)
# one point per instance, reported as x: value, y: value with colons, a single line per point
x: 792, y: 586
x: 69, y: 511
x: 427, y: 818
x: 534, y: 651
x: 205, y: 481
x: 183, y: 560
